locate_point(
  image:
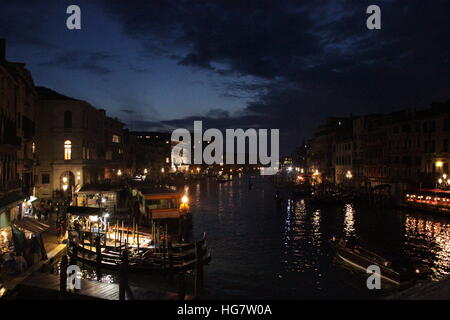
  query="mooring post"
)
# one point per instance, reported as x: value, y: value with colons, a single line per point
x: 82, y: 247
x: 170, y: 259
x: 181, y: 286
x: 123, y: 275
x: 73, y: 252
x: 98, y: 256
x: 63, y: 276
x: 198, y: 268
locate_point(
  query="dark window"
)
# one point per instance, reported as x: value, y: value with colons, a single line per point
x: 67, y: 119
x: 432, y: 126
x: 45, y: 178
x: 445, y: 146
x: 447, y: 124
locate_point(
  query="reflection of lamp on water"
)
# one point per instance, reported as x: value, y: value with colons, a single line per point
x: 184, y: 206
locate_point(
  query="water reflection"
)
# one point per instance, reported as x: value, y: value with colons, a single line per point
x: 349, y: 221
x: 428, y: 241
x: 303, y: 242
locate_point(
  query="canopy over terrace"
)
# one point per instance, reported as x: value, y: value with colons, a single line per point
x: 84, y: 211
x: 31, y: 225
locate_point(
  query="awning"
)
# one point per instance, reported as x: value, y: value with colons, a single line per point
x: 84, y: 211
x: 11, y: 199
x: 31, y: 225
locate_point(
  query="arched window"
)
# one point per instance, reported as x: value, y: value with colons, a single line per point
x: 67, y: 150
x: 67, y: 119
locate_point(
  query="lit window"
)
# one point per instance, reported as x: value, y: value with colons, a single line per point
x: 115, y: 138
x: 67, y: 150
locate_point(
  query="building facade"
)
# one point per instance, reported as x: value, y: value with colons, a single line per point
x: 17, y: 118
x: 76, y: 144
x: 408, y: 149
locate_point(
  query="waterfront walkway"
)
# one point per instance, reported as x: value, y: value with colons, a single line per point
x: 43, y: 286
x: 53, y: 247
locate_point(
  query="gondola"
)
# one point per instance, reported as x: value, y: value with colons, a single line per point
x: 143, y: 266
x: 361, y: 258
x: 143, y: 263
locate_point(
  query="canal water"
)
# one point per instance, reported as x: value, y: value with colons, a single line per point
x: 263, y: 251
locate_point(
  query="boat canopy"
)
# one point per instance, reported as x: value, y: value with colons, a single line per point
x: 84, y: 211
x: 31, y: 225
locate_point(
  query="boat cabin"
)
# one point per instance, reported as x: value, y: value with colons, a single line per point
x: 106, y: 196
x: 163, y: 203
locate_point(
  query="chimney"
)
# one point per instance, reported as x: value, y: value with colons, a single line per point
x: 2, y: 49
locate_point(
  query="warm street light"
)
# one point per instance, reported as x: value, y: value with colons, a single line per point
x: 65, y: 186
x: 349, y: 175
x: 439, y: 164
x: 440, y: 180
x: 119, y: 172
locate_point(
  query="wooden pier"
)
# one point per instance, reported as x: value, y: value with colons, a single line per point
x: 42, y: 286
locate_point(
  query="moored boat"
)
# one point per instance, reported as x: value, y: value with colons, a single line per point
x: 361, y: 259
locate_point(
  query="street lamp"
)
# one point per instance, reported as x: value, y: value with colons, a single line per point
x: 349, y: 175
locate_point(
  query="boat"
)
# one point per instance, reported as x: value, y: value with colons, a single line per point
x: 155, y: 260
x: 162, y: 203
x: 433, y: 201
x: 361, y: 258
x: 223, y: 178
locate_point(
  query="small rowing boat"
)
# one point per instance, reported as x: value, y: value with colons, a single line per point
x: 361, y: 258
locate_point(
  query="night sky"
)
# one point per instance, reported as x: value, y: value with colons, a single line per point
x: 158, y: 65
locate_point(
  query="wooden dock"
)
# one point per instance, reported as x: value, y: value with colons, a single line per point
x: 43, y: 286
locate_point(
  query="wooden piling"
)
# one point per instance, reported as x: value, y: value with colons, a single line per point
x: 98, y: 251
x: 63, y: 276
x: 74, y: 252
x: 181, y: 286
x: 124, y: 288
x: 198, y: 286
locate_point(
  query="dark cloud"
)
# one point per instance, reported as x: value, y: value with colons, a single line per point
x: 293, y: 62
x: 128, y: 111
x: 81, y: 60
x: 327, y: 60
